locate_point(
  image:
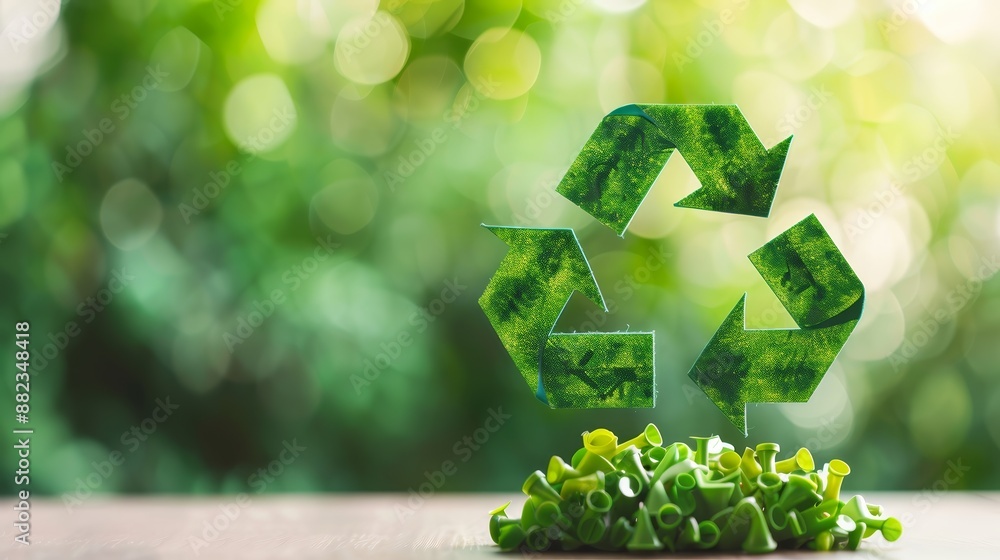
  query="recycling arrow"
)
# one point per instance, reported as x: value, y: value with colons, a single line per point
x: 617, y: 166
x: 813, y: 281
x: 523, y: 302
x: 609, y: 179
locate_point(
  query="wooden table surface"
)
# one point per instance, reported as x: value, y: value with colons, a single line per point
x: 937, y: 526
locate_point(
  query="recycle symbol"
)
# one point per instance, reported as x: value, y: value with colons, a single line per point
x: 609, y: 179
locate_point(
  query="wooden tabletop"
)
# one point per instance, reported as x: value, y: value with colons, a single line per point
x: 937, y: 526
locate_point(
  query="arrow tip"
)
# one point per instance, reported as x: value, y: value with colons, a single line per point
x: 781, y: 148
x: 747, y: 188
x: 552, y: 249
x: 776, y: 157
x: 714, y: 372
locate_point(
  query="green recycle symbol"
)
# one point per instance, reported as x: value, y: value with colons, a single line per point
x: 609, y: 179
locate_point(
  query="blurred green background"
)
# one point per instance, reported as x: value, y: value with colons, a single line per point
x: 268, y: 212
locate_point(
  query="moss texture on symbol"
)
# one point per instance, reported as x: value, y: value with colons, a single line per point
x: 523, y: 301
x: 599, y: 370
x: 616, y: 167
x: 825, y: 298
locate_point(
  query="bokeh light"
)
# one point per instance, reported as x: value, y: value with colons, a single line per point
x: 259, y: 113
x: 130, y: 214
x: 372, y: 50
x: 503, y: 64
